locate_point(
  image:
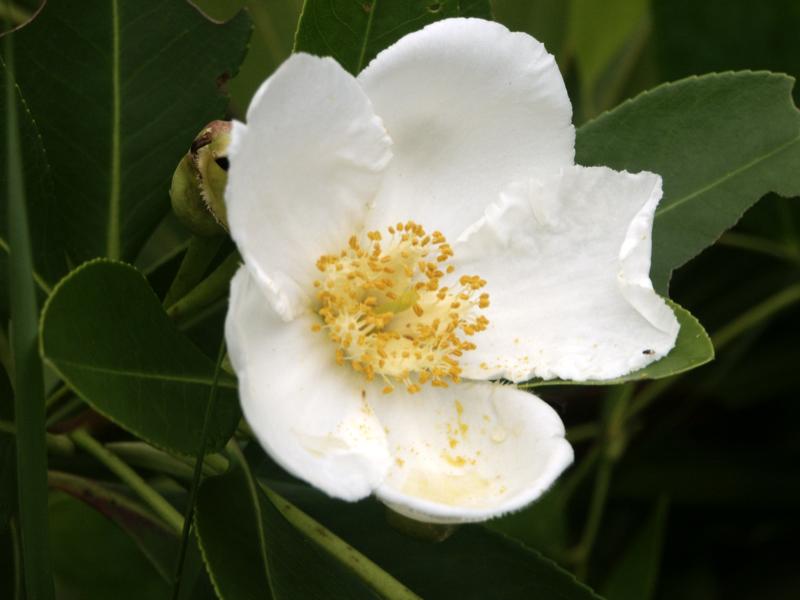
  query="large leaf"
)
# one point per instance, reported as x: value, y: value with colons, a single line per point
x: 105, y: 332
x: 94, y: 560
x: 117, y: 91
x: 473, y: 563
x: 252, y: 551
x: 354, y: 32
x: 720, y: 142
x: 692, y: 349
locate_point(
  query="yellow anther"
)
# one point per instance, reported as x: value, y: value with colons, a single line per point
x: 387, y: 313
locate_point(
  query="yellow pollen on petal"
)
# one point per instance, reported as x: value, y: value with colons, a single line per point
x: 395, y: 310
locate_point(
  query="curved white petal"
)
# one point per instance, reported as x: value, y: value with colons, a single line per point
x: 303, y: 171
x: 469, y: 106
x: 470, y: 452
x: 308, y: 413
x: 567, y: 262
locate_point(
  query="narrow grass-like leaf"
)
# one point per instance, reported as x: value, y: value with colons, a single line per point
x: 354, y: 32
x: 28, y: 376
x: 196, y: 475
x: 105, y: 332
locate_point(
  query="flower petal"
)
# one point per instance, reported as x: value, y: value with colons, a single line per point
x: 470, y: 452
x: 308, y: 413
x: 470, y: 106
x: 567, y: 262
x: 302, y: 173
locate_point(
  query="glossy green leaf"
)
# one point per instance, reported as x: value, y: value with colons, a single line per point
x: 474, y: 563
x: 635, y: 574
x: 154, y: 538
x: 719, y: 141
x: 117, y: 91
x: 28, y: 374
x: 94, y: 560
x: 274, y: 26
x: 252, y: 551
x: 354, y: 32
x: 692, y: 349
x: 105, y: 332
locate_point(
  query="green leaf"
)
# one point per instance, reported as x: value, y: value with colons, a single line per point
x: 252, y: 551
x: 8, y: 474
x: 474, y: 563
x: 153, y: 537
x: 28, y: 374
x: 105, y: 332
x: 692, y: 349
x: 354, y: 32
x: 720, y: 142
x: 635, y: 574
x: 546, y: 20
x: 607, y: 37
x: 94, y: 560
x: 117, y: 91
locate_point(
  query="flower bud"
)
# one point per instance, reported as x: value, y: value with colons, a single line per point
x: 198, y: 184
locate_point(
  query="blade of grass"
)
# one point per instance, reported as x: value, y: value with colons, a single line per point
x: 28, y: 376
x: 198, y: 471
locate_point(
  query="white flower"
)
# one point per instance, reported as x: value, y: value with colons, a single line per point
x: 342, y: 350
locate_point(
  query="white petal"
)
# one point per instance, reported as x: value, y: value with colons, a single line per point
x: 308, y: 413
x: 567, y: 264
x: 470, y: 106
x: 303, y: 171
x: 470, y: 452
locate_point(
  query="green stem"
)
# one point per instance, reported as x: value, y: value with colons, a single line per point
x: 56, y: 443
x: 381, y: 581
x: 596, y: 509
x: 582, y: 433
x: 212, y: 288
x: 752, y: 243
x: 63, y: 411
x: 29, y: 374
x: 89, y: 490
x: 114, y: 464
x: 741, y: 324
x: 198, y: 471
x: 756, y: 315
x: 199, y: 254
x: 62, y: 391
x: 140, y: 454
x: 611, y: 446
x: 377, y: 578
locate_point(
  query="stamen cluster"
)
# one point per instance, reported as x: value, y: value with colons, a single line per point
x: 384, y: 305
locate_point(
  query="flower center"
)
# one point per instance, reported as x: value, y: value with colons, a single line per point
x: 384, y: 306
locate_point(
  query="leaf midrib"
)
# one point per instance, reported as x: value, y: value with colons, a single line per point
x: 729, y: 175
x: 365, y: 39
x: 121, y: 372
